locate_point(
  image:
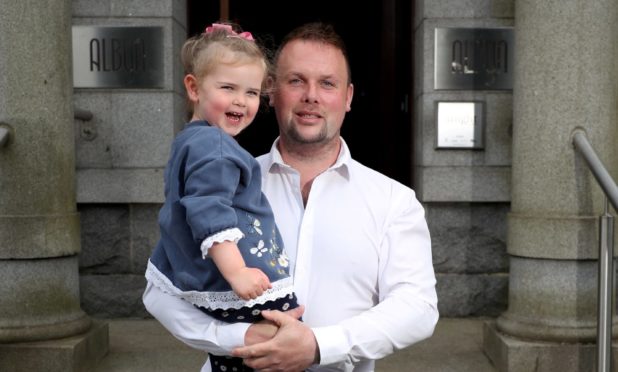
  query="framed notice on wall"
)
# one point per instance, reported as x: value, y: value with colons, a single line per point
x: 474, y: 58
x: 117, y: 57
x: 460, y: 125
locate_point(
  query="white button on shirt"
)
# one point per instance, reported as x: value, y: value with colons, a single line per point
x: 360, y: 256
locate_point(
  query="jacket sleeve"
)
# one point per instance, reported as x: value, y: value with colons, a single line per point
x: 211, y: 178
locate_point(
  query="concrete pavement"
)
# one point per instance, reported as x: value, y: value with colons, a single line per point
x: 140, y: 345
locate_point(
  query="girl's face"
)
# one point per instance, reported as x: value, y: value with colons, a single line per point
x: 228, y: 97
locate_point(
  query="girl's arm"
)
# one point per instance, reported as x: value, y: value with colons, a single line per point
x: 248, y: 283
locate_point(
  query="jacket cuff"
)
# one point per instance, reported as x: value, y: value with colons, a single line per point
x: 232, y: 235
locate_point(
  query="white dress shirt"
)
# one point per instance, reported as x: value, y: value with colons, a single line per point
x: 360, y: 256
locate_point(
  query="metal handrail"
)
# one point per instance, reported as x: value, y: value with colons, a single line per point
x: 606, y: 251
x: 604, y: 179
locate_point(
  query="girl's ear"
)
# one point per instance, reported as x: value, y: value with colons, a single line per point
x: 191, y: 86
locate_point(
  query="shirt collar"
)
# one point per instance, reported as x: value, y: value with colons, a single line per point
x: 341, y: 166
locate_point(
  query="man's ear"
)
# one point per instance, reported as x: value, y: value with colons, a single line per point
x: 349, y: 95
x: 191, y: 87
x: 270, y: 86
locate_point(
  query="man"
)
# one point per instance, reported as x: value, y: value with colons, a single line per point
x: 358, y: 242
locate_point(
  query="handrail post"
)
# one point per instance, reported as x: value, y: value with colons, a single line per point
x: 606, y: 275
x: 606, y: 280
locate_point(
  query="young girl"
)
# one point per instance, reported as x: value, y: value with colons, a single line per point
x: 219, y: 247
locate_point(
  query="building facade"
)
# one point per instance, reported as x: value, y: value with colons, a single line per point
x: 471, y: 103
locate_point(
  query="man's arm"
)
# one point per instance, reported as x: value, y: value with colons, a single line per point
x: 200, y: 331
x: 192, y: 326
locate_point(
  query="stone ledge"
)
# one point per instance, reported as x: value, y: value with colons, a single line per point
x: 129, y: 185
x: 39, y: 236
x: 464, y: 184
x: 510, y: 354
x: 565, y: 237
x: 78, y: 353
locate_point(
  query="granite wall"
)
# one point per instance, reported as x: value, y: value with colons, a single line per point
x: 120, y: 156
x: 466, y: 192
x: 119, y: 172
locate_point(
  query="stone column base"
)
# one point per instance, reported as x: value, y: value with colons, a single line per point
x: 510, y: 354
x: 79, y: 353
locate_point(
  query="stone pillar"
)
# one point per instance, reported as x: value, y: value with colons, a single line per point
x: 39, y: 226
x: 566, y: 78
x: 120, y: 158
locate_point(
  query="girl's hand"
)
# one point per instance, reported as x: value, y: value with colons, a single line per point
x: 249, y: 283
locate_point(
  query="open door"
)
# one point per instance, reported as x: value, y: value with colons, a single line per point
x: 378, y: 35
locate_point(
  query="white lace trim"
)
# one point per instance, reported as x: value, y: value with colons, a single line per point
x: 218, y: 300
x: 232, y: 235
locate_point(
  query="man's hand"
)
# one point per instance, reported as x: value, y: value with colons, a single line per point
x: 293, y: 348
x: 264, y: 330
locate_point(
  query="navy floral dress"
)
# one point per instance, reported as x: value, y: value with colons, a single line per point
x: 213, y: 193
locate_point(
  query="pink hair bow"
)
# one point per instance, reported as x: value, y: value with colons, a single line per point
x: 228, y: 28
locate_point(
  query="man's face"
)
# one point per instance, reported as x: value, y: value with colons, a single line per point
x: 311, y: 92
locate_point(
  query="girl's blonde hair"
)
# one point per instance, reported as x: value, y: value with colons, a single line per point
x: 201, y: 53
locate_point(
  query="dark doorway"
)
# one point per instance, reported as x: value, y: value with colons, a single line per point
x: 378, y: 35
